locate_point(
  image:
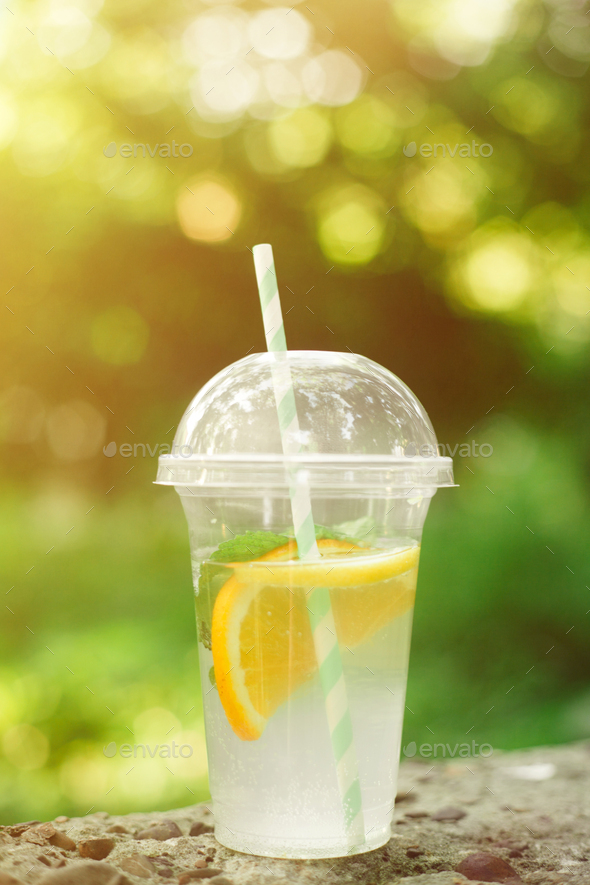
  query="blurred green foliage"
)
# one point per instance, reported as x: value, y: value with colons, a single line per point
x: 129, y: 283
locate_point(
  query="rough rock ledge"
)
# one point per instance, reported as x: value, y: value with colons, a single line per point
x: 513, y: 817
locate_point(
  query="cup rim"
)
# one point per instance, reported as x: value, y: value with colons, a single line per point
x: 256, y: 470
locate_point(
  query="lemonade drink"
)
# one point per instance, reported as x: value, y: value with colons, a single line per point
x: 269, y: 747
x: 276, y: 780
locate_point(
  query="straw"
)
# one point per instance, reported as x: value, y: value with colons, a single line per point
x: 319, y: 605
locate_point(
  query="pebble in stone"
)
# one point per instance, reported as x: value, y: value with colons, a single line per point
x: 62, y: 840
x: 97, y: 849
x: 199, y: 828
x: 221, y: 880
x: 198, y: 874
x: 409, y: 796
x: 200, y: 863
x: 138, y: 865
x: 117, y: 828
x: 162, y: 830
x: 39, y: 835
x: 483, y: 867
x: 416, y: 814
x: 414, y: 852
x: 18, y: 829
x: 449, y: 813
x: 62, y: 819
x: 90, y: 872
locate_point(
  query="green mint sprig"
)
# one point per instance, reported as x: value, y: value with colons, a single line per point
x: 241, y: 548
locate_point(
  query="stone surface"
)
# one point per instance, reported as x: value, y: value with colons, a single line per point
x: 97, y: 849
x: 89, y: 872
x: 60, y: 840
x: 530, y: 810
x: 138, y: 865
x: 484, y: 867
x: 7, y: 879
x: 161, y: 831
x: 199, y: 828
x: 449, y: 813
x: 39, y: 835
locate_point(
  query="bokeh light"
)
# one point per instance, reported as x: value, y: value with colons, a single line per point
x: 217, y: 34
x: 25, y: 747
x: 302, y: 139
x: 498, y: 270
x: 351, y: 225
x: 441, y: 201
x: 154, y: 723
x: 283, y: 84
x: 568, y: 283
x: 463, y: 31
x: 219, y: 93
x: 296, y: 122
x: 44, y: 139
x: 535, y: 107
x: 281, y: 33
x: 368, y: 126
x: 137, y: 71
x: 65, y: 29
x: 332, y: 78
x: 208, y: 210
x: 85, y: 774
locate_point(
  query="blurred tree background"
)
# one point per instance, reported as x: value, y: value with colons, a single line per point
x: 129, y: 283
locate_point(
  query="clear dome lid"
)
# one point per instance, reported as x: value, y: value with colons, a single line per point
x: 354, y: 417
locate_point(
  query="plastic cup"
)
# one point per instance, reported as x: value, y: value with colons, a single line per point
x: 369, y: 461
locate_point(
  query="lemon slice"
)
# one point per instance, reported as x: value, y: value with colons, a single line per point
x: 358, y: 569
x: 261, y: 638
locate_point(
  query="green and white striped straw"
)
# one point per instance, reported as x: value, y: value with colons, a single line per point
x: 319, y: 606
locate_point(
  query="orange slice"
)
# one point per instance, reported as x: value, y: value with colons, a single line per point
x: 261, y: 637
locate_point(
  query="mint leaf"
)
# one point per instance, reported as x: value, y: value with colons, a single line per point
x: 252, y: 545
x: 211, y: 580
x: 322, y: 533
x: 242, y: 548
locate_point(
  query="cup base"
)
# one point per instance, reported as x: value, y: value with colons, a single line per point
x: 300, y: 849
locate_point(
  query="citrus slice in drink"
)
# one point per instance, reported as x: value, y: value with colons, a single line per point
x: 261, y: 637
